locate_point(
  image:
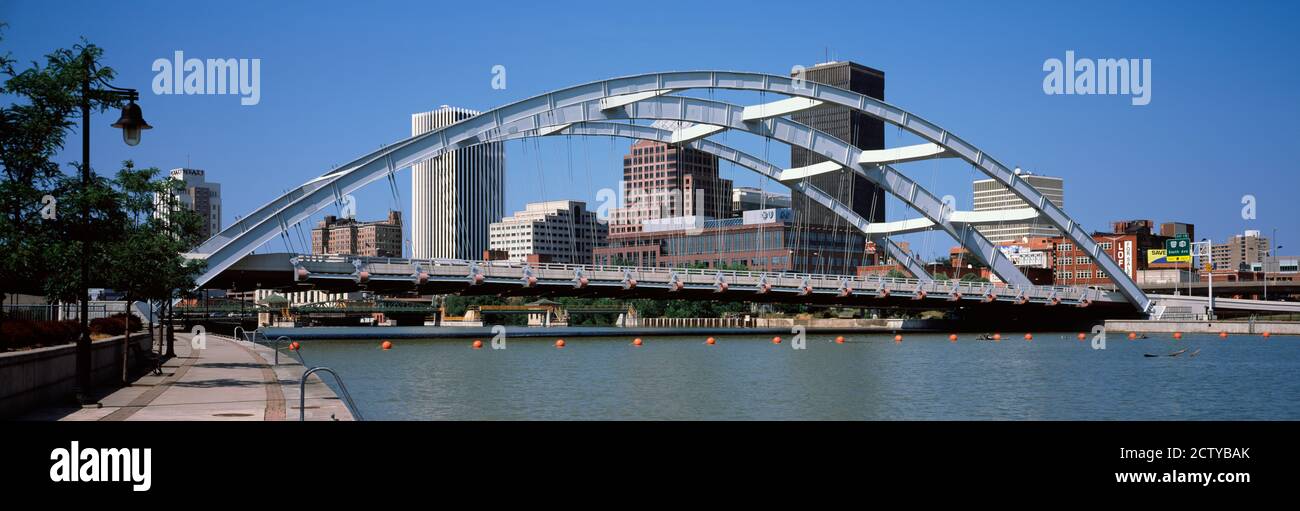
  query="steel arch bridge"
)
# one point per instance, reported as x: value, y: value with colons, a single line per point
x: 611, y: 108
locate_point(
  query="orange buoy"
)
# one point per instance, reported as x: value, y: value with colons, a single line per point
x: 1083, y: 336
x: 559, y: 343
x: 386, y: 345
x: 1132, y: 336
x: 1029, y: 337
x: 710, y: 341
x: 636, y: 342
x: 478, y: 344
x: 1265, y: 334
x: 1178, y: 335
x: 952, y: 337
x: 898, y: 338
x: 293, y: 346
x: 997, y: 337
x: 1223, y: 335
x: 776, y: 340
x: 839, y: 339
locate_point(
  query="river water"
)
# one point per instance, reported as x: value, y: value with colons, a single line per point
x: 1054, y: 377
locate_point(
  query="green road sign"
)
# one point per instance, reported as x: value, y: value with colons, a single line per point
x: 1178, y: 247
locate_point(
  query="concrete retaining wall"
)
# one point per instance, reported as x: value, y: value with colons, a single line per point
x: 1205, y: 327
x: 854, y: 324
x: 43, y: 376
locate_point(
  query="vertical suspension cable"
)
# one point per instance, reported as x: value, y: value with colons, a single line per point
x: 573, y: 213
x: 591, y: 227
x: 762, y: 202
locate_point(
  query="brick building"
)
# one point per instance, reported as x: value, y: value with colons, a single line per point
x: 767, y: 240
x: 381, y: 238
x: 665, y: 181
x: 1127, y: 245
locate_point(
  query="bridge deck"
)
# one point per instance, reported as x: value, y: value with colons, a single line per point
x: 336, y: 272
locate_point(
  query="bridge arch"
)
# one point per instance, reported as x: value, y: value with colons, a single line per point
x: 630, y: 93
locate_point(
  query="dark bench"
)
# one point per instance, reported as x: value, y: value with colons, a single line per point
x: 146, y: 358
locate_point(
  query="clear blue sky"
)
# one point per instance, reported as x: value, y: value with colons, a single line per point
x: 339, y: 79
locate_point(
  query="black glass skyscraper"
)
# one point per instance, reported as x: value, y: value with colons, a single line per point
x: 859, y: 129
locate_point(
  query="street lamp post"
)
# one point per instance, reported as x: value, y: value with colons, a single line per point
x: 131, y: 122
x: 1272, y: 254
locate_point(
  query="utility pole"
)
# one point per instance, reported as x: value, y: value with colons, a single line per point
x: 1203, y: 250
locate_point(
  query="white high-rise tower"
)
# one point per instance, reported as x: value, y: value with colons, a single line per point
x: 455, y: 196
x: 194, y: 192
x: 991, y: 195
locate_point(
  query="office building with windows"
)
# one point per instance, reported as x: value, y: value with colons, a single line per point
x: 991, y: 195
x: 563, y: 231
x: 348, y: 236
x: 194, y: 192
x: 455, y: 196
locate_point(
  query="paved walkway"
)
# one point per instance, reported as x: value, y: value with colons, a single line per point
x: 227, y: 380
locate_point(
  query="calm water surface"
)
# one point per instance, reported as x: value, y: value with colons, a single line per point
x: 925, y: 377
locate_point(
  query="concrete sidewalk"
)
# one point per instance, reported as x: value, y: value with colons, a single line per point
x: 227, y: 380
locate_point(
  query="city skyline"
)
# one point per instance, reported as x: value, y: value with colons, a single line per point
x: 287, y: 142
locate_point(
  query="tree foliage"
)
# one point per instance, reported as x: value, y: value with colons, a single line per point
x: 135, y: 246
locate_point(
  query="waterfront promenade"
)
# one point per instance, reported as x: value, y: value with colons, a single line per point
x: 228, y: 380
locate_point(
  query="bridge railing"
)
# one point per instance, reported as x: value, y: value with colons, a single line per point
x: 512, y: 269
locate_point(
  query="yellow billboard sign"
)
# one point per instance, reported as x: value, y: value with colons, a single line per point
x: 1161, y: 256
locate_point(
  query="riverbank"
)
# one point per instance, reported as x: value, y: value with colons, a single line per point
x: 228, y: 379
x: 1205, y: 327
x: 776, y: 327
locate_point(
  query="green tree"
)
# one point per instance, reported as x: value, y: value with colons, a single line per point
x: 456, y: 305
x: 42, y: 230
x: 895, y: 273
x: 36, y: 198
x: 144, y: 260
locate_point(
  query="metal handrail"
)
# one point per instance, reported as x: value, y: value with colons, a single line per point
x: 302, y: 394
x: 276, y: 347
x: 857, y: 281
x: 246, y: 335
